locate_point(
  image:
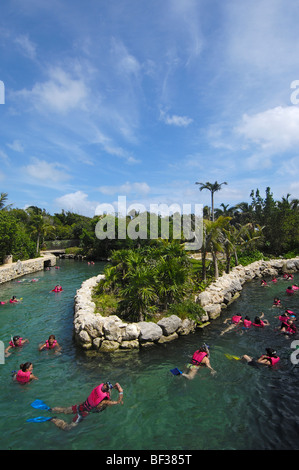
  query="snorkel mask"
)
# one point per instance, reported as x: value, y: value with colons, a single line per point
x: 109, y: 384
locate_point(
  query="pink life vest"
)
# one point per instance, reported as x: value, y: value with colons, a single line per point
x: 295, y: 287
x: 96, y: 396
x: 53, y: 345
x: 273, y: 360
x: 13, y: 345
x: 289, y: 291
x: 236, y: 319
x: 259, y: 325
x: 198, y: 357
x: 23, y: 377
x: 283, y: 318
x: 247, y: 323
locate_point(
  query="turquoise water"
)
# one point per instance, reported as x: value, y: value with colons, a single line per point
x: 241, y: 407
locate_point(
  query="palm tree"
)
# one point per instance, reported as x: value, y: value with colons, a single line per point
x: 39, y: 228
x: 3, y: 199
x: 213, y: 188
x: 212, y: 242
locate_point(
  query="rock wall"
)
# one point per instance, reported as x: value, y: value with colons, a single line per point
x: 20, y: 268
x: 93, y: 331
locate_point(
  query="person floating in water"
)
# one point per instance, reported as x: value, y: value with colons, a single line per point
x: 57, y: 288
x: 268, y: 359
x: 14, y: 300
x: 50, y: 343
x: 290, y: 290
x: 201, y: 358
x: 288, y: 327
x: 236, y: 320
x: 15, y: 342
x: 97, y: 401
x: 259, y: 323
x: 25, y: 374
x: 276, y: 302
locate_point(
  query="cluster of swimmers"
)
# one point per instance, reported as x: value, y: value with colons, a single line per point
x: 287, y: 326
x: 98, y: 400
x: 18, y: 342
x: 290, y: 290
x: 13, y: 300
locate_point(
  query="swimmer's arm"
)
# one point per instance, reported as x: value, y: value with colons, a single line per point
x: 42, y: 347
x: 32, y: 377
x: 208, y: 365
x: 7, y: 349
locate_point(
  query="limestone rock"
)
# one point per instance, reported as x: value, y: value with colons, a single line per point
x: 170, y: 324
x: 149, y: 332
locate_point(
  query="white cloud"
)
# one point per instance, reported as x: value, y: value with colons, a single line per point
x: 16, y: 146
x: 46, y: 173
x: 77, y: 202
x: 174, y: 120
x: 274, y: 130
x: 28, y: 47
x: 61, y: 93
x: 127, y: 188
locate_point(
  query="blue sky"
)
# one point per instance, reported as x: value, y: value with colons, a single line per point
x: 142, y: 98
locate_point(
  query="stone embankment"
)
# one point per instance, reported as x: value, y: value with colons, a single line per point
x: 10, y: 271
x: 93, y: 331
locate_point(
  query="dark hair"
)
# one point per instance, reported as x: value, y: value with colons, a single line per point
x: 52, y: 336
x: 25, y: 366
x: 271, y: 352
x: 257, y: 320
x: 247, y: 317
x: 15, y: 338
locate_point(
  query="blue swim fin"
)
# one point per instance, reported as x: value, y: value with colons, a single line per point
x: 38, y: 419
x: 40, y: 405
x: 176, y: 371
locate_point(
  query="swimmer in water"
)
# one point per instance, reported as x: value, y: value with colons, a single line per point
x: 268, y: 359
x: 25, y: 374
x: 201, y: 358
x: 50, y: 343
x: 97, y: 401
x: 236, y: 320
x: 15, y: 342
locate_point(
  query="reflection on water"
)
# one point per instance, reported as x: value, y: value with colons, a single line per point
x: 239, y: 408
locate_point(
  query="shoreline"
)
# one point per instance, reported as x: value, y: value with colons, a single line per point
x: 94, y: 332
x: 11, y: 271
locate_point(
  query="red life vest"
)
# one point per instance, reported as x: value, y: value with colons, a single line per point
x: 96, y: 396
x: 236, y: 319
x: 198, y: 357
x: 23, y: 377
x: 259, y: 325
x: 273, y: 360
x: 13, y: 345
x: 53, y: 345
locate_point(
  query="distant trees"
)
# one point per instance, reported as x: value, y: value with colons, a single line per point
x: 264, y: 224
